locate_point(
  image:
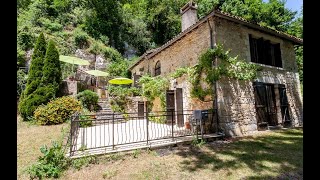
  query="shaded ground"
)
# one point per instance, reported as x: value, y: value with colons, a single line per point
x: 29, y: 140
x: 267, y: 155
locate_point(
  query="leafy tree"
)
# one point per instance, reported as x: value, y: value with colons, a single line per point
x: 37, y: 62
x: 51, y: 69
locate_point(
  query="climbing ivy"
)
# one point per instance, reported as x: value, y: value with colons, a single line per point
x: 153, y: 87
x: 228, y: 67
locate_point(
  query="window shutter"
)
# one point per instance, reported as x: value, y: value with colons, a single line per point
x: 277, y: 53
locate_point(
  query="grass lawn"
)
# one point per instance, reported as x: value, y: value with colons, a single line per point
x: 266, y: 155
x: 29, y: 140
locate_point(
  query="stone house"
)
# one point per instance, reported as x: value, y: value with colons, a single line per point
x: 272, y: 99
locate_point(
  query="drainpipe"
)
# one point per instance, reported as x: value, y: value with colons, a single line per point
x: 213, y: 45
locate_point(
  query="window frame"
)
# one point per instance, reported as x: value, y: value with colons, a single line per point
x: 265, y: 52
x: 157, y: 69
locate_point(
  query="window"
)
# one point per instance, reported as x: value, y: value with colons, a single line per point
x: 157, y: 69
x: 264, y: 52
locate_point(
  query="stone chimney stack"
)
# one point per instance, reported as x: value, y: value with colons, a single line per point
x: 188, y: 15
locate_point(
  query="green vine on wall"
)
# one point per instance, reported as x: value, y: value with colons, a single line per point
x: 227, y: 67
x: 153, y: 87
x: 204, y: 71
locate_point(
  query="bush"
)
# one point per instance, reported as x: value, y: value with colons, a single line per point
x: 51, y: 69
x: 89, y: 99
x: 21, y: 81
x: 85, y: 116
x: 25, y: 40
x: 29, y: 104
x: 57, y: 111
x: 21, y: 58
x: 80, y: 38
x: 51, y: 164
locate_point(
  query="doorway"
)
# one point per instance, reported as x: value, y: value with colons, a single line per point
x: 265, y: 103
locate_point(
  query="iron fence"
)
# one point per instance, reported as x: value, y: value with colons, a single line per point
x: 114, y: 129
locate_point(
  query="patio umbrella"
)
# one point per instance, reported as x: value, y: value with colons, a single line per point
x: 73, y: 60
x: 120, y: 81
x: 97, y: 73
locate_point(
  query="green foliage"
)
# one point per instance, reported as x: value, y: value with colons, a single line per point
x: 21, y: 58
x: 198, y: 143
x: 85, y: 117
x: 57, y: 111
x: 49, y: 25
x: 80, y: 38
x: 83, y: 162
x: 21, y: 81
x: 25, y: 38
x: 117, y: 69
x: 228, y: 67
x: 119, y: 96
x: 37, y: 62
x: 89, y: 99
x: 112, y: 55
x: 28, y: 104
x: 157, y: 118
x: 52, y: 69
x: 179, y: 72
x: 51, y: 164
x: 153, y: 87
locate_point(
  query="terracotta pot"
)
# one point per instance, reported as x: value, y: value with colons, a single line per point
x: 187, y: 125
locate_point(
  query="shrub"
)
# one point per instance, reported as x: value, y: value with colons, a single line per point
x: 29, y: 103
x: 21, y: 81
x: 35, y: 72
x: 80, y: 38
x: 57, y: 111
x: 21, y: 58
x: 85, y: 116
x: 51, y: 69
x: 88, y: 99
x: 25, y: 40
x: 51, y: 164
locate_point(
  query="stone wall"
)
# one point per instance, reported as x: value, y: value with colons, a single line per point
x: 132, y: 104
x: 179, y: 54
x: 236, y: 102
x: 69, y: 87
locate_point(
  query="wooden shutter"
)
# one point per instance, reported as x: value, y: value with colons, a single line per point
x: 277, y: 54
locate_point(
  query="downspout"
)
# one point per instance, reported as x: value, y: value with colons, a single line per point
x: 213, y: 44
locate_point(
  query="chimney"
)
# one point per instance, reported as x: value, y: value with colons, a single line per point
x: 188, y: 15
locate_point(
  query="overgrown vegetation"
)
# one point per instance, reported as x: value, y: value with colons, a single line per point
x: 57, y: 111
x: 89, y: 99
x: 153, y: 87
x: 119, y: 96
x: 227, y: 67
x: 21, y: 81
x: 51, y: 164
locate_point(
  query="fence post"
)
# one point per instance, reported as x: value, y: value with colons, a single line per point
x: 197, y: 129
x: 147, y: 119
x: 172, y: 124
x: 112, y: 130
x: 71, y: 134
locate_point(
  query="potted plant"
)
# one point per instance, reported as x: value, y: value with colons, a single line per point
x: 187, y: 125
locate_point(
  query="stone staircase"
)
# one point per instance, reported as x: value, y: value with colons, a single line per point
x: 105, y: 113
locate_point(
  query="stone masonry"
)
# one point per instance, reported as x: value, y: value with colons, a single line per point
x: 236, y: 101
